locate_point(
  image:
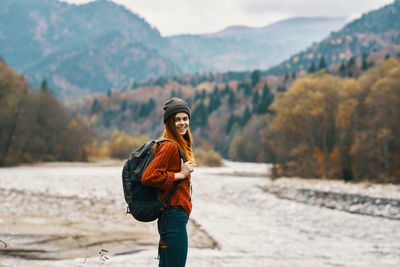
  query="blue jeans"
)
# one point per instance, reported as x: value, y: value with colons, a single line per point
x: 174, y: 238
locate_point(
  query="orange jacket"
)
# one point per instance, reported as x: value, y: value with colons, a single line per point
x: 161, y: 171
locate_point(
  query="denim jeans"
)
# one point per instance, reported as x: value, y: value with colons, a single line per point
x: 174, y: 239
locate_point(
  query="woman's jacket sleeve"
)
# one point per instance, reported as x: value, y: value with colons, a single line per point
x: 160, y: 172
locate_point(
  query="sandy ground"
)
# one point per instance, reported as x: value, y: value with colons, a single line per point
x: 43, y: 225
x: 234, y: 222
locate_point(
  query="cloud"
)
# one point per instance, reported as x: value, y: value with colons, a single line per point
x: 172, y: 17
x: 296, y: 8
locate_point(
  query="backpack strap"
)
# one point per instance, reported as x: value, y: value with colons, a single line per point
x: 182, y: 155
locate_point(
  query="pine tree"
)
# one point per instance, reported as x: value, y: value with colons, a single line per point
x: 322, y: 63
x: 95, y: 106
x: 232, y: 99
x: 364, y: 64
x: 43, y: 86
x: 203, y: 94
x: 342, y: 68
x: 286, y: 77
x: 246, y: 116
x: 312, y: 68
x: 351, y: 62
x: 230, y: 123
x: 266, y: 99
x: 256, y: 97
x: 255, y: 78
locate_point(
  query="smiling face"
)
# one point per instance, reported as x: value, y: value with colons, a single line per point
x: 182, y: 122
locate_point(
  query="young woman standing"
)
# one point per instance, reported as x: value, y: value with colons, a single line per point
x: 167, y: 168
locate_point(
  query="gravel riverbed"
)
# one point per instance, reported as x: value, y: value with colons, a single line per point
x: 246, y: 225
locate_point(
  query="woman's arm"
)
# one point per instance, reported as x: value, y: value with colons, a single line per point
x: 161, y: 171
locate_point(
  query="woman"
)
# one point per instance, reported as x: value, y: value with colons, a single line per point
x: 166, y: 168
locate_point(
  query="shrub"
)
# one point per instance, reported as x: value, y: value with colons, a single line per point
x: 122, y: 145
x: 207, y: 158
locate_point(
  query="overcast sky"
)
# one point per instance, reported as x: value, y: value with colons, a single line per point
x: 172, y: 17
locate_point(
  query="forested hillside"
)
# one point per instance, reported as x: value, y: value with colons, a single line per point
x: 81, y: 49
x: 334, y: 119
x: 378, y: 30
x: 97, y: 46
x: 323, y: 125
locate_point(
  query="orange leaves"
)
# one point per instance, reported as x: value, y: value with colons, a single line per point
x: 346, y: 110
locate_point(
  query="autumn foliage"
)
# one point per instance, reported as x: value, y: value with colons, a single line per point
x: 35, y: 126
x: 331, y: 127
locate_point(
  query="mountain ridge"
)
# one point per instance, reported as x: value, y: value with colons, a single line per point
x: 40, y: 38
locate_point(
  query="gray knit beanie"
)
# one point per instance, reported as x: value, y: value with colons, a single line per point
x: 175, y: 105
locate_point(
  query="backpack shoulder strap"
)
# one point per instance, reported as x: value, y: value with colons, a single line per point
x: 180, y: 151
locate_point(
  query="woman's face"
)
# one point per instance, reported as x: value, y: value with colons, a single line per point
x: 181, y: 122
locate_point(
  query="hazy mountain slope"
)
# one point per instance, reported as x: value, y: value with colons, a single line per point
x: 92, y: 47
x: 112, y: 61
x: 374, y: 31
x: 245, y: 48
x: 47, y: 40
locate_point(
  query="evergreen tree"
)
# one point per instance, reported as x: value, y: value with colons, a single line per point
x: 109, y: 93
x: 200, y: 116
x: 364, y: 64
x: 286, y: 77
x: 322, y: 63
x: 266, y: 99
x: 203, y: 94
x: 312, y: 68
x: 255, y: 78
x: 95, y: 106
x: 351, y: 62
x: 293, y: 75
x: 342, y: 68
x: 215, y: 102
x: 232, y: 99
x: 196, y: 96
x: 245, y: 87
x: 124, y: 105
x: 256, y: 97
x: 246, y: 116
x: 226, y: 89
x: 43, y: 86
x: 230, y: 123
x: 146, y: 108
x: 216, y: 91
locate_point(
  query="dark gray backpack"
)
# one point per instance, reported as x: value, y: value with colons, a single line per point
x: 143, y: 201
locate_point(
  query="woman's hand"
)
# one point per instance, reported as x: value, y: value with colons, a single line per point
x: 186, y: 169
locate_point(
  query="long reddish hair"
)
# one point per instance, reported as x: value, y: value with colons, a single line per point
x: 184, y: 142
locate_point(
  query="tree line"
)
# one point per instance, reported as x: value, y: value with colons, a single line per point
x: 333, y: 127
x: 35, y: 126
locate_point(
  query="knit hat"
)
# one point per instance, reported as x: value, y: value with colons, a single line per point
x: 175, y: 105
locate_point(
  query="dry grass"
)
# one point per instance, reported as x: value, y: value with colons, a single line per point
x: 207, y: 158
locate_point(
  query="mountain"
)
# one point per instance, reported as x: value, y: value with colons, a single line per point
x: 240, y: 48
x: 80, y: 48
x: 93, y: 47
x: 111, y: 61
x: 377, y: 30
